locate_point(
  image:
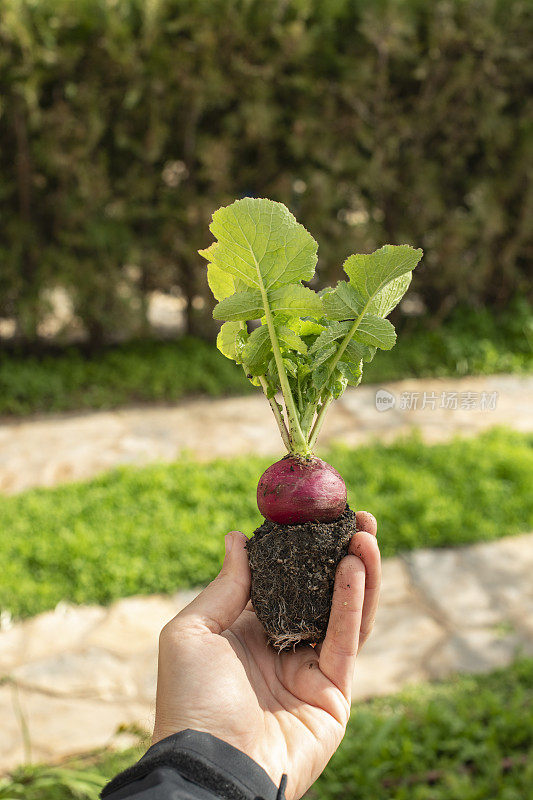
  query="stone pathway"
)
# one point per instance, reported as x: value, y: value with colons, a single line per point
x: 74, y: 676
x: 51, y: 450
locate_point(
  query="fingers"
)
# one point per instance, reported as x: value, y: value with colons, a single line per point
x: 364, y: 545
x: 365, y: 521
x: 339, y: 648
x: 218, y: 606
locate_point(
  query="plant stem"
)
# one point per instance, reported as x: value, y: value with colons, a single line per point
x: 326, y: 403
x: 298, y: 441
x: 320, y: 420
x: 306, y: 420
x: 277, y: 414
x: 346, y: 341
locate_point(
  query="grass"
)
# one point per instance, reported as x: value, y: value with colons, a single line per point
x: 160, y: 528
x: 470, y: 738
x: 471, y: 342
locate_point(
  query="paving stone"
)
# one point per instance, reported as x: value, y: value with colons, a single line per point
x: 91, y: 673
x: 475, y: 650
x: 452, y: 583
x: 60, y: 727
x: 395, y: 653
x: 395, y: 582
x: 63, y: 629
x: 11, y: 648
x: 133, y: 625
x: 184, y: 597
x: 12, y: 748
x: 145, y: 676
x: 513, y: 408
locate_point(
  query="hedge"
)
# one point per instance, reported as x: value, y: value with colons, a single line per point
x: 124, y: 125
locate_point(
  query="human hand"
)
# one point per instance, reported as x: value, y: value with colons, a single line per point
x: 288, y: 711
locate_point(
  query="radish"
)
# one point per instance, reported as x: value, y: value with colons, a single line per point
x: 301, y: 490
x: 307, y: 348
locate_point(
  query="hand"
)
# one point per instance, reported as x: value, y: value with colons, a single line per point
x: 287, y: 711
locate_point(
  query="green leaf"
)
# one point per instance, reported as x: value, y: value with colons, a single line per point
x: 256, y: 268
x: 260, y: 242
x: 376, y: 332
x: 352, y: 371
x: 343, y: 302
x: 325, y: 348
x: 338, y: 387
x: 370, y: 355
x: 209, y: 252
x: 337, y: 330
x: 323, y: 354
x: 355, y: 352
x: 257, y: 351
x: 291, y: 339
x: 369, y: 274
x: 231, y: 339
x: 306, y: 327
x: 389, y: 297
x: 296, y: 300
x: 291, y: 367
x: 321, y: 370
x: 240, y: 306
x: 220, y: 283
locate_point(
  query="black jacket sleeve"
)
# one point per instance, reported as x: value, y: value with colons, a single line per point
x: 192, y: 765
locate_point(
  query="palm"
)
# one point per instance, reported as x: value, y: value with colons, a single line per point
x: 284, y: 707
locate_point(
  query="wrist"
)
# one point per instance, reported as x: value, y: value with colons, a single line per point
x: 246, y: 745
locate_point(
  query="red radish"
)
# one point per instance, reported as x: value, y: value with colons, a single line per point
x: 296, y: 490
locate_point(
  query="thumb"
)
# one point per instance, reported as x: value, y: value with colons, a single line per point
x: 217, y: 607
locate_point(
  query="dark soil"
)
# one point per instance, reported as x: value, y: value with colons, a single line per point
x: 293, y: 572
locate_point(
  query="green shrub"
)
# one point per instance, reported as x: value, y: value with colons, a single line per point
x: 126, y: 124
x: 160, y: 528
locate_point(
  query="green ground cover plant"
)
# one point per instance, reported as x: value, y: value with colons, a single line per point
x: 468, y: 738
x: 160, y: 528
x: 471, y: 342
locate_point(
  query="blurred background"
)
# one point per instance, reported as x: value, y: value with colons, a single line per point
x: 123, y: 125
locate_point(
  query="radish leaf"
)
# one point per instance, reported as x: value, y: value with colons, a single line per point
x: 375, y: 331
x: 309, y: 346
x: 240, y: 306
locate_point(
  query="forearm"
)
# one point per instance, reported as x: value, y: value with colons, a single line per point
x: 192, y: 765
